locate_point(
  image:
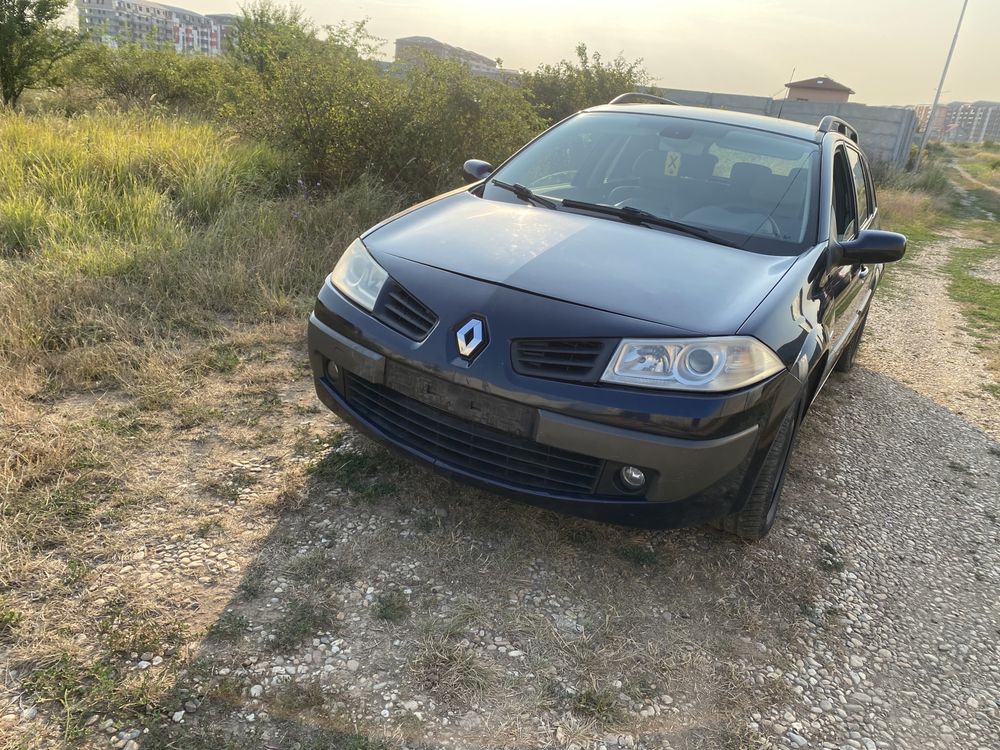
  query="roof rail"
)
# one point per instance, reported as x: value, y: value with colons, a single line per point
x: 834, y: 124
x: 639, y: 97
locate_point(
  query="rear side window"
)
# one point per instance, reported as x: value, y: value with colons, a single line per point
x: 860, y: 186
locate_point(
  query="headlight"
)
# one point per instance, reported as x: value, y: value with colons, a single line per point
x: 721, y: 363
x: 359, y: 277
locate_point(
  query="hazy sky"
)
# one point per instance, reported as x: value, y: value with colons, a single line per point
x: 888, y: 51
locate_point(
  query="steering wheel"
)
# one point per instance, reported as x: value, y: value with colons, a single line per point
x: 543, y: 180
x: 768, y: 228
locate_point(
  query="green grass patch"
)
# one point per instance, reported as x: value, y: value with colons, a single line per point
x: 391, y: 606
x: 304, y: 619
x: 9, y: 619
x: 979, y: 297
x: 639, y: 555
x: 361, y: 467
x: 75, y: 689
x: 229, y: 628
x: 310, y: 567
x: 599, y: 704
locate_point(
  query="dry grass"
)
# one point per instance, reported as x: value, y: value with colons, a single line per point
x: 913, y: 213
x: 132, y: 252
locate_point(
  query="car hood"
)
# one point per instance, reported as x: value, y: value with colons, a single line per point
x: 644, y: 273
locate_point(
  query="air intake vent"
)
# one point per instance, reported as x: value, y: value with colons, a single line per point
x: 403, y: 312
x: 577, y: 360
x: 470, y: 447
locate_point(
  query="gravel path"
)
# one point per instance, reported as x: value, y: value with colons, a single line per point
x: 902, y: 649
x: 916, y: 335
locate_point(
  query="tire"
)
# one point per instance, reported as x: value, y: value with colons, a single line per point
x: 755, y: 519
x: 850, y: 353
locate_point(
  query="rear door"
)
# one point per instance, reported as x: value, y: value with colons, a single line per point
x: 851, y: 212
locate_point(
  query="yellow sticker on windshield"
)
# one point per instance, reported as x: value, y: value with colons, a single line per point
x: 672, y: 166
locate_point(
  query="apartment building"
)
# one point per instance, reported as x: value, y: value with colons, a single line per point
x: 410, y: 48
x: 962, y: 122
x: 114, y: 22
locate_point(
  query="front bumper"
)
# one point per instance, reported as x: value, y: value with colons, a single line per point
x: 701, y: 453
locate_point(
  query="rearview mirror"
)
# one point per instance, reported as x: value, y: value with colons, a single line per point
x: 871, y: 246
x: 477, y: 169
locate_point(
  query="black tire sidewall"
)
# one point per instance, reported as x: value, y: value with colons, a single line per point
x: 761, y: 512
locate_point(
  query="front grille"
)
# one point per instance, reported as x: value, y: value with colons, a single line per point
x: 578, y: 360
x: 403, y: 312
x: 459, y: 443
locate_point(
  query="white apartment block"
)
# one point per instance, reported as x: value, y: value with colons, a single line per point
x: 114, y: 22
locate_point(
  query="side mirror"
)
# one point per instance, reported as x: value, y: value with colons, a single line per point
x: 477, y: 169
x: 871, y: 246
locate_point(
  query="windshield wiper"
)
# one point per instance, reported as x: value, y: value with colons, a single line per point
x: 525, y: 194
x: 638, y: 216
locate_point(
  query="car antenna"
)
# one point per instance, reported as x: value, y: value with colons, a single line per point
x: 785, y: 99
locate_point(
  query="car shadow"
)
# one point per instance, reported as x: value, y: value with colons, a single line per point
x: 388, y: 607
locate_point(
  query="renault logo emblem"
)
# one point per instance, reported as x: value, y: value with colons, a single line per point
x: 472, y: 337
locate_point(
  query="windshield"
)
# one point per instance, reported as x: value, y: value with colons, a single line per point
x: 753, y: 188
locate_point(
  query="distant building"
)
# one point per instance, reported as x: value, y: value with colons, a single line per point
x: 821, y: 89
x: 114, y: 22
x: 410, y: 48
x: 962, y: 122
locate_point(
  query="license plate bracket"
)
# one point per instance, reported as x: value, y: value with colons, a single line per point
x: 461, y: 401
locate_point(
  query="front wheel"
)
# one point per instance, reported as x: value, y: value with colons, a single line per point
x: 756, y: 518
x: 850, y: 353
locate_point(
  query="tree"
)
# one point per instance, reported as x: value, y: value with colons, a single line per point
x: 562, y: 89
x: 267, y: 34
x: 30, y: 44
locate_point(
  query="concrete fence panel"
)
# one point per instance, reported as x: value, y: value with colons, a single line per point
x: 885, y: 132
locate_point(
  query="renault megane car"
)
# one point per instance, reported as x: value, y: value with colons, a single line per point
x: 627, y: 320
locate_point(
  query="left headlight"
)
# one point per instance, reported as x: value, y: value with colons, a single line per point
x: 722, y: 363
x: 358, y: 276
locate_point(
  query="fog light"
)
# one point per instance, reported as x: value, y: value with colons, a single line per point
x: 632, y: 477
x: 332, y: 371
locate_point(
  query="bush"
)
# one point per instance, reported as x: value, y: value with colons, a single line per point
x: 930, y: 178
x: 343, y: 117
x: 446, y: 115
x: 132, y: 76
x: 560, y: 90
x: 323, y: 103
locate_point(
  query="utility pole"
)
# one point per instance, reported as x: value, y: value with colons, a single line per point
x: 937, y: 95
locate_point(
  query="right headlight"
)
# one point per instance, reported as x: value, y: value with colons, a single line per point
x: 721, y: 363
x: 358, y: 276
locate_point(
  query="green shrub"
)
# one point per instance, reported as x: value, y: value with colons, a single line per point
x: 326, y: 102
x: 132, y: 76
x: 560, y: 90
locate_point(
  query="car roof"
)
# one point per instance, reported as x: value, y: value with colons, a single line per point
x: 723, y: 116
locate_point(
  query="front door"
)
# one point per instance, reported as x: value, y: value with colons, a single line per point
x: 844, y: 284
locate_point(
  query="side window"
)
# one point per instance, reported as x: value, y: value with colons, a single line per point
x: 872, y: 198
x: 845, y: 206
x: 860, y: 185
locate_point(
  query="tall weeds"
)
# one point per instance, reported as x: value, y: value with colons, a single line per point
x: 116, y: 232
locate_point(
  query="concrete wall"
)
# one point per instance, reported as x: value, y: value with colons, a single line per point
x: 886, y: 132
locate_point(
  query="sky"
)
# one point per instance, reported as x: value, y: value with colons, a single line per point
x: 888, y: 51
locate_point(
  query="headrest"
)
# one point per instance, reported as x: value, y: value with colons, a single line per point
x: 745, y: 172
x: 698, y: 166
